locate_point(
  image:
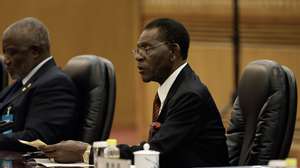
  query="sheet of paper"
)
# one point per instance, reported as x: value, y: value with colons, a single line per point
x: 49, y: 163
x: 36, y: 143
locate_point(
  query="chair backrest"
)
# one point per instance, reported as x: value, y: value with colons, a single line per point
x: 3, y: 73
x: 263, y: 117
x: 111, y: 98
x: 94, y: 78
x: 291, y: 115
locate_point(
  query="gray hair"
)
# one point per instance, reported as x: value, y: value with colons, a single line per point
x: 31, y: 29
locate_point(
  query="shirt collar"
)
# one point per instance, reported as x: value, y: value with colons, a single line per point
x: 34, y: 70
x: 163, y: 90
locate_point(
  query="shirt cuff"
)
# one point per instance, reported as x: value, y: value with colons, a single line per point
x: 86, y: 154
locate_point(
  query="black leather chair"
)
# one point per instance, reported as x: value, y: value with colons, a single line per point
x: 3, y: 73
x: 95, y: 80
x: 292, y: 114
x: 264, y: 114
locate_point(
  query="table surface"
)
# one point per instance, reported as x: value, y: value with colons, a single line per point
x: 10, y: 159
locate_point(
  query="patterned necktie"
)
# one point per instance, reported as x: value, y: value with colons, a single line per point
x: 155, y: 125
x: 156, y: 107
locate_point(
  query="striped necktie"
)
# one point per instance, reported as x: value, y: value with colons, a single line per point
x: 156, y: 108
x: 155, y: 125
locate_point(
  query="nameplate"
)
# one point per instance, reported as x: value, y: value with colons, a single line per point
x: 112, y: 163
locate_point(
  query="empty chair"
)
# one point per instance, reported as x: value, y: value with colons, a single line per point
x: 94, y: 78
x: 292, y: 112
x: 264, y: 114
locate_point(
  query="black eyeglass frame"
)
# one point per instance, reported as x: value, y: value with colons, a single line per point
x: 147, y: 50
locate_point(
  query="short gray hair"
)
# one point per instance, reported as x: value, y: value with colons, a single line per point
x: 32, y: 30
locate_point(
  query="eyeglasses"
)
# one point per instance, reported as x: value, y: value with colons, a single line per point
x: 147, y: 50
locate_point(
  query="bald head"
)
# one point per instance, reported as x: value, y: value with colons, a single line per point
x: 25, y: 45
x: 29, y: 32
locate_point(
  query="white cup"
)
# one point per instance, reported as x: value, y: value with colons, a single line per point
x: 146, y: 158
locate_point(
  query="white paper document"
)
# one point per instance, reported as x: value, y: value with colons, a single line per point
x: 49, y: 163
x: 36, y: 143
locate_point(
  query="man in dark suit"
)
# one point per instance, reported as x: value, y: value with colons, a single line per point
x: 187, y: 129
x: 42, y: 102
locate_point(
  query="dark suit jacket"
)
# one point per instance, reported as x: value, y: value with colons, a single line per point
x: 191, y: 132
x: 44, y: 110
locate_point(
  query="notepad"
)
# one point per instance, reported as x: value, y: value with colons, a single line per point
x: 36, y: 143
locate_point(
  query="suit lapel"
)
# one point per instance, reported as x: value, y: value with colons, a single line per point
x: 20, y: 92
x: 41, y: 71
x: 180, y: 78
x: 4, y: 93
x: 26, y: 86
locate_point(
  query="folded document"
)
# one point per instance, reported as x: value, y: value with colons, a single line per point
x: 36, y: 143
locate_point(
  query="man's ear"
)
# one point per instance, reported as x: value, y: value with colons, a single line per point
x: 35, y: 51
x: 172, y: 57
x: 175, y: 51
x: 176, y: 48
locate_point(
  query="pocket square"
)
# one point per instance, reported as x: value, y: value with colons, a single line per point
x: 155, y: 125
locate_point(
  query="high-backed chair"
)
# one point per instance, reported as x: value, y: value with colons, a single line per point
x: 94, y: 78
x: 291, y: 115
x: 264, y: 114
x: 3, y: 73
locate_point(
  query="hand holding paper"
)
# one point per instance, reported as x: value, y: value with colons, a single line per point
x: 66, y: 151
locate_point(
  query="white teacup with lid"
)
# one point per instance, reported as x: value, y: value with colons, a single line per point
x: 146, y: 158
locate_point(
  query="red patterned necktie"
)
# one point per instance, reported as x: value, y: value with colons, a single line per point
x: 155, y: 125
x: 156, y: 107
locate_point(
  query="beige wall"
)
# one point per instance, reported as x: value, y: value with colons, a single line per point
x: 101, y: 27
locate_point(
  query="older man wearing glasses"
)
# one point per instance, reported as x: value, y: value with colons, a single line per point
x: 187, y: 128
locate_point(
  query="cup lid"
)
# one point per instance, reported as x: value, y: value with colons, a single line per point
x: 146, y: 151
x: 277, y: 163
x: 100, y: 144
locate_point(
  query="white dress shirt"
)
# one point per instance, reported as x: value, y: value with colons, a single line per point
x: 163, y: 90
x: 34, y: 70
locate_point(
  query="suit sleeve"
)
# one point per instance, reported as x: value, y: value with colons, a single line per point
x: 52, y: 109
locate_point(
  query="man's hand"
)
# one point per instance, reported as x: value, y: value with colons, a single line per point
x: 66, y: 151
